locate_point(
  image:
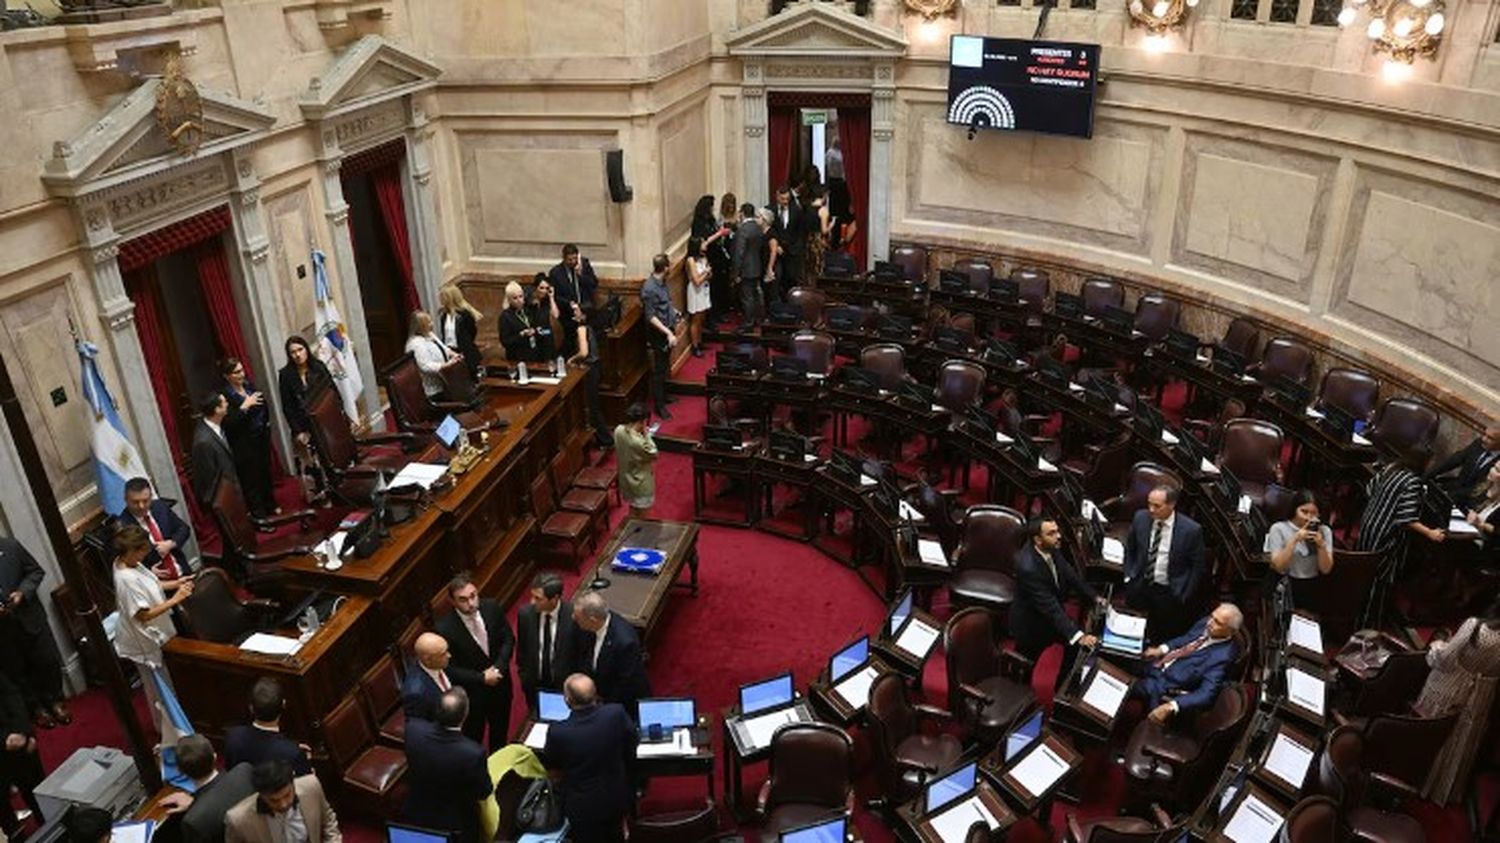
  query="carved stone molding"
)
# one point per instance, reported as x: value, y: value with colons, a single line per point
x: 161, y: 196
x: 258, y: 252
x: 250, y: 198
x: 245, y: 168
x: 755, y: 131
x: 807, y: 70
x: 883, y: 134
x: 369, y: 127
x: 95, y: 219
x: 106, y: 253
x: 332, y: 166
x: 337, y: 216
x: 118, y: 315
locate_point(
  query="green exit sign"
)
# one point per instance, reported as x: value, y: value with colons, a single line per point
x: 811, y: 117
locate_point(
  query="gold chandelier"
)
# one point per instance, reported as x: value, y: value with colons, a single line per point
x: 1404, y: 29
x: 1159, y: 16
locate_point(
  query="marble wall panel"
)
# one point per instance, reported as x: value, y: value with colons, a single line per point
x: 292, y: 239
x: 683, y: 152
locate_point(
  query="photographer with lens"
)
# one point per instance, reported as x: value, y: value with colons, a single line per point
x: 1302, y: 549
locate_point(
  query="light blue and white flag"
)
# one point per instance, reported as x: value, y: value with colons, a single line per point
x: 174, y: 727
x: 115, y: 459
x: 333, y: 346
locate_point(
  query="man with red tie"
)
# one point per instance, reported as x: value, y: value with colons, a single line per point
x: 481, y: 643
x: 168, y: 532
x: 1186, y: 673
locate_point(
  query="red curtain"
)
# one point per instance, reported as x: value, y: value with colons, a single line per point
x: 854, y: 138
x: 387, y: 183
x: 783, y: 140
x: 144, y: 250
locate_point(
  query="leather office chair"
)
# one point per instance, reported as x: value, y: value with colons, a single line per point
x: 1211, y: 430
x: 960, y: 384
x: 887, y: 360
x: 1242, y: 337
x: 380, y: 690
x: 1139, y: 481
x: 1101, y: 470
x: 371, y: 772
x: 985, y: 561
x: 1100, y: 293
x: 1251, y: 450
x: 981, y: 274
x: 560, y: 526
x: 1406, y: 427
x: 1285, y: 357
x: 912, y: 260
x: 989, y: 689
x: 1343, y: 592
x: 816, y: 348
x: 965, y: 323
x: 1391, y: 688
x: 1035, y: 288
x: 414, y: 410
x: 1159, y: 829
x: 689, y: 826
x: 905, y: 756
x: 252, y: 555
x: 1314, y: 819
x: 1354, y: 391
x: 592, y: 502
x: 1341, y: 776
x: 1279, y: 503
x: 351, y: 464
x: 215, y: 613
x: 1156, y: 314
x: 811, y: 301
x: 811, y: 776
x: 1177, y: 763
x: 1401, y: 749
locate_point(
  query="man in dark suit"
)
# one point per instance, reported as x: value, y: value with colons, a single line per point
x: 203, y: 822
x: 1043, y: 580
x: 750, y: 262
x: 481, y: 644
x: 426, y: 680
x: 595, y: 749
x: 608, y: 649
x: 1462, y: 472
x: 20, y: 763
x: 168, y: 532
x: 262, y: 739
x: 789, y: 236
x: 1164, y: 563
x: 29, y: 652
x: 1186, y: 673
x: 447, y: 771
x: 544, y: 638
x: 211, y: 457
x: 573, y: 285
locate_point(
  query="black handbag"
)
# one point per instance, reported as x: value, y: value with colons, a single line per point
x: 539, y: 812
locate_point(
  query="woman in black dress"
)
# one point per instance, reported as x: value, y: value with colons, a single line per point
x: 247, y: 428
x: 458, y: 325
x: 302, y: 374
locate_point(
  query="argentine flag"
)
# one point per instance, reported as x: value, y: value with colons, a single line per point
x: 174, y: 727
x: 332, y: 345
x: 115, y: 459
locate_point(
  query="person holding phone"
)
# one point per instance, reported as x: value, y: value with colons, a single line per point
x: 635, y: 457
x: 145, y: 612
x: 1301, y: 548
x: 247, y: 429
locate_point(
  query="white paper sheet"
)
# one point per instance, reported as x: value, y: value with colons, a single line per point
x: 421, y: 473
x: 1305, y: 632
x: 1105, y: 693
x: 1254, y: 822
x: 1288, y: 760
x: 1039, y: 770
x: 809, y: 457
x: 1305, y: 690
x: 867, y: 480
x: 763, y: 727
x: 855, y: 688
x: 139, y: 832
x: 1244, y: 504
x: 931, y: 553
x: 1459, y: 526
x: 1246, y: 379
x: 537, y: 737
x: 1207, y: 467
x: 1169, y: 437
x: 1314, y: 413
x: 952, y: 825
x: 1120, y: 409
x: 908, y: 512
x: 1002, y: 438
x: 680, y: 744
x: 939, y: 408
x: 545, y: 380
x: 1202, y: 359
x: 1073, y: 387
x: 916, y: 639
x: 1043, y: 465
x: 271, y: 645
x: 331, y: 546
x: 1091, y: 510
x: 1124, y: 625
x: 1360, y: 440
x: 1113, y: 551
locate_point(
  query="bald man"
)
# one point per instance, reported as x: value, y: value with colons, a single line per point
x: 594, y: 748
x: 1186, y: 673
x: 427, y: 680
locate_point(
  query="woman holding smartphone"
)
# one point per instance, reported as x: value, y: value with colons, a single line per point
x: 1302, y: 549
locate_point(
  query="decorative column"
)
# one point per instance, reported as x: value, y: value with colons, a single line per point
x: 421, y: 206
x: 757, y: 163
x: 343, y: 274
x: 882, y: 130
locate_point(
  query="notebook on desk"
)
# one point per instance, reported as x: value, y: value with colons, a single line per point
x: 850, y: 673
x: 835, y: 830
x: 907, y: 633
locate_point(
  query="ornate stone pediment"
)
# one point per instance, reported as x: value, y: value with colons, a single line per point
x: 372, y: 70
x: 816, y: 29
x: 127, y: 143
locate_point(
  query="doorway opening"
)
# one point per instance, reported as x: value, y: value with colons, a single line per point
x: 824, y: 137
x: 372, y: 182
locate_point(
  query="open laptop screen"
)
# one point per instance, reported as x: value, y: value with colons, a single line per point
x: 448, y: 432
x: 899, y: 613
x: 823, y: 831
x: 551, y: 707
x: 770, y: 693
x: 950, y: 788
x: 398, y: 833
x: 1024, y: 736
x: 849, y: 659
x: 676, y: 713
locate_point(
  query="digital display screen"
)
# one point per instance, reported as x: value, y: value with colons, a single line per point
x: 846, y: 660
x: 1017, y: 742
x: 768, y: 694
x: 409, y: 834
x: 827, y: 831
x: 899, y: 614
x: 448, y: 432
x: 948, y: 789
x: 1022, y: 85
x: 668, y: 714
x: 551, y: 707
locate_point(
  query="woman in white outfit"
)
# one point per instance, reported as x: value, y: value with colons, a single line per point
x: 430, y: 352
x: 145, y: 612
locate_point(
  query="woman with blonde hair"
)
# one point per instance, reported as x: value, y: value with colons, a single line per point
x: 458, y: 325
x: 430, y: 353
x: 525, y: 329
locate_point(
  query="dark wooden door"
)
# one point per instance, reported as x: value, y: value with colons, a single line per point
x: 379, y: 278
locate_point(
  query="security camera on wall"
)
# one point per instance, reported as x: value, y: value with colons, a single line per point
x: 614, y: 170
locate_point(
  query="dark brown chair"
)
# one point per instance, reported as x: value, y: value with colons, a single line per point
x: 989, y: 689
x: 591, y: 476
x: 756, y: 353
x: 967, y: 325
x: 352, y: 464
x: 1279, y: 504
x: 1251, y: 450
x: 1156, y: 314
x: 1139, y: 481
x: 689, y: 826
x: 572, y: 528
x: 905, y: 757
x: 1286, y: 357
x: 981, y: 274
x: 414, y: 410
x: 1401, y: 749
x: 1343, y: 592
x: 811, y: 301
x: 960, y: 384
x: 1392, y: 687
x: 371, y: 772
x: 811, y: 776
x: 1211, y: 430
x: 1035, y: 287
x: 251, y: 555
x: 1102, y: 468
x: 1314, y: 819
x: 1100, y: 293
x: 1242, y: 337
x: 1406, y: 427
x: 380, y: 689
x: 887, y: 360
x: 1124, y: 829
x: 1176, y: 764
x: 216, y: 613
x: 592, y: 502
x: 1354, y: 391
x: 913, y: 262
x: 1341, y: 776
x: 985, y: 561
x: 816, y: 348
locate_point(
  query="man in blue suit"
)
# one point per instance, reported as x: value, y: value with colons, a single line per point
x: 446, y: 771
x: 1164, y: 563
x: 1186, y: 673
x: 168, y: 532
x: 427, y: 680
x: 607, y: 648
x: 261, y: 740
x: 595, y: 749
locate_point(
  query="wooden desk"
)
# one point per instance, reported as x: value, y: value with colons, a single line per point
x: 771, y: 472
x: 995, y: 765
x: 622, y: 362
x: 838, y: 710
x: 914, y: 824
x: 737, y: 755
x: 699, y: 763
x: 638, y: 598
x: 736, y: 465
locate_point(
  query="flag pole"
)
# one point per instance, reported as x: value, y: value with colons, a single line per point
x: 115, y: 684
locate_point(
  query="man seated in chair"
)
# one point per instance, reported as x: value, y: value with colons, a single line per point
x: 1186, y: 673
x: 167, y: 530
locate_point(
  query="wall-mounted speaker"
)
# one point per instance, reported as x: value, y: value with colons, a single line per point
x: 614, y: 169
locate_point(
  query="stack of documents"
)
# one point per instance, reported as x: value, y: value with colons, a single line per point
x: 760, y: 729
x: 1123, y: 632
x: 271, y: 645
x: 916, y: 639
x: 419, y: 473
x: 1113, y: 551
x: 537, y: 737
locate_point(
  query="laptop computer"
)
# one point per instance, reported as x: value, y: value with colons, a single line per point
x: 767, y: 695
x: 551, y: 707
x: 899, y: 614
x: 887, y: 271
x: 849, y: 659
x: 791, y: 447
x: 732, y: 363
x: 844, y: 318
x: 785, y: 367
x: 1067, y: 304
x: 950, y: 789
x: 1118, y: 320
x: 766, y: 706
x: 402, y: 833
x: 908, y: 633
x: 894, y: 326
x: 448, y: 432
x: 1005, y: 290
x: 660, y: 717
x: 951, y: 339
x: 1182, y: 345
x: 850, y: 673
x: 721, y: 437
x: 832, y: 830
x: 950, y: 281
x: 859, y: 379
x: 1023, y: 736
